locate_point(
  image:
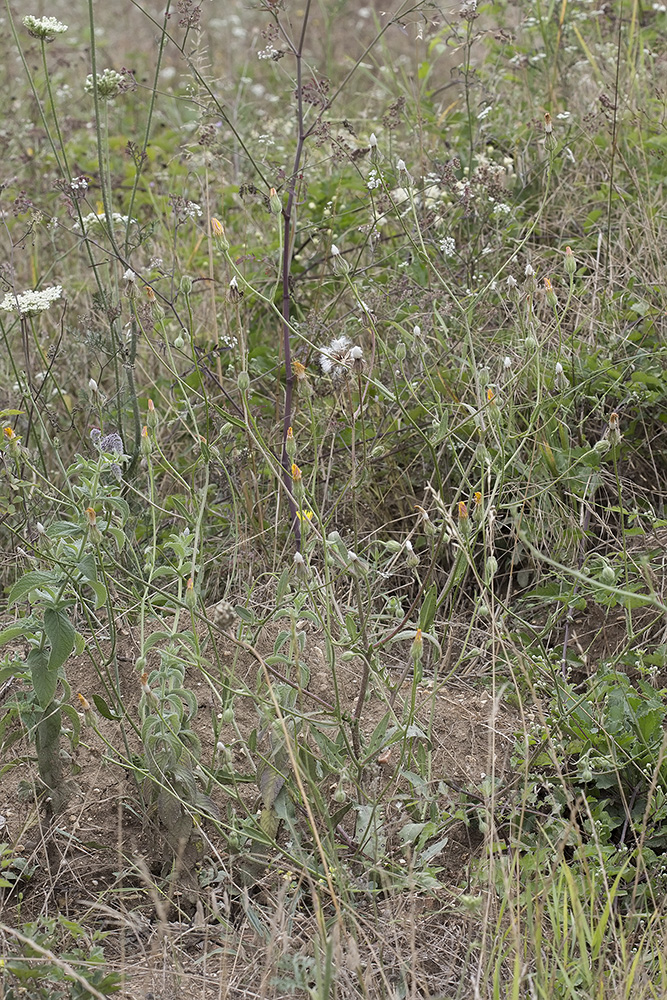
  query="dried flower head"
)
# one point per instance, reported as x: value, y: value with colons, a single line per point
x: 340, y: 357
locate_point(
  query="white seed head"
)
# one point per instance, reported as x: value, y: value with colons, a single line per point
x: 356, y: 353
x: 372, y: 141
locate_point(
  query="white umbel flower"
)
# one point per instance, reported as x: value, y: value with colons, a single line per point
x: 31, y: 302
x: 107, y: 84
x: 45, y: 28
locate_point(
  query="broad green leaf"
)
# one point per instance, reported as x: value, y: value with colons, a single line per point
x: 377, y: 740
x: 44, y: 681
x: 87, y: 567
x: 428, y: 608
x: 103, y: 708
x: 61, y: 635
x: 100, y: 592
x: 36, y: 580
x: 244, y: 614
x: 283, y: 584
x: 14, y: 631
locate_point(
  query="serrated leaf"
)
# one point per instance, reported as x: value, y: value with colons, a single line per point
x: 44, y: 681
x: 36, y: 580
x: 61, y: 635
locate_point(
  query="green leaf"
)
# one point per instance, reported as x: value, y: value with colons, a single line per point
x: 245, y: 615
x: 87, y: 567
x: 283, y: 584
x: 100, y: 592
x: 154, y: 639
x: 428, y: 608
x: 61, y: 635
x: 44, y: 681
x: 37, y: 580
x: 75, y: 719
x: 377, y: 740
x: 103, y: 709
x: 14, y: 631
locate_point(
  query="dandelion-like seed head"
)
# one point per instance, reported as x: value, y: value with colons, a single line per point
x: 339, y: 358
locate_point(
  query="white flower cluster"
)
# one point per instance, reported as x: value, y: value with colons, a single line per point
x: 98, y: 220
x: 374, y: 180
x: 447, y: 246
x: 45, y: 28
x: 107, y: 84
x: 191, y: 210
x: 31, y: 302
x: 270, y: 52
